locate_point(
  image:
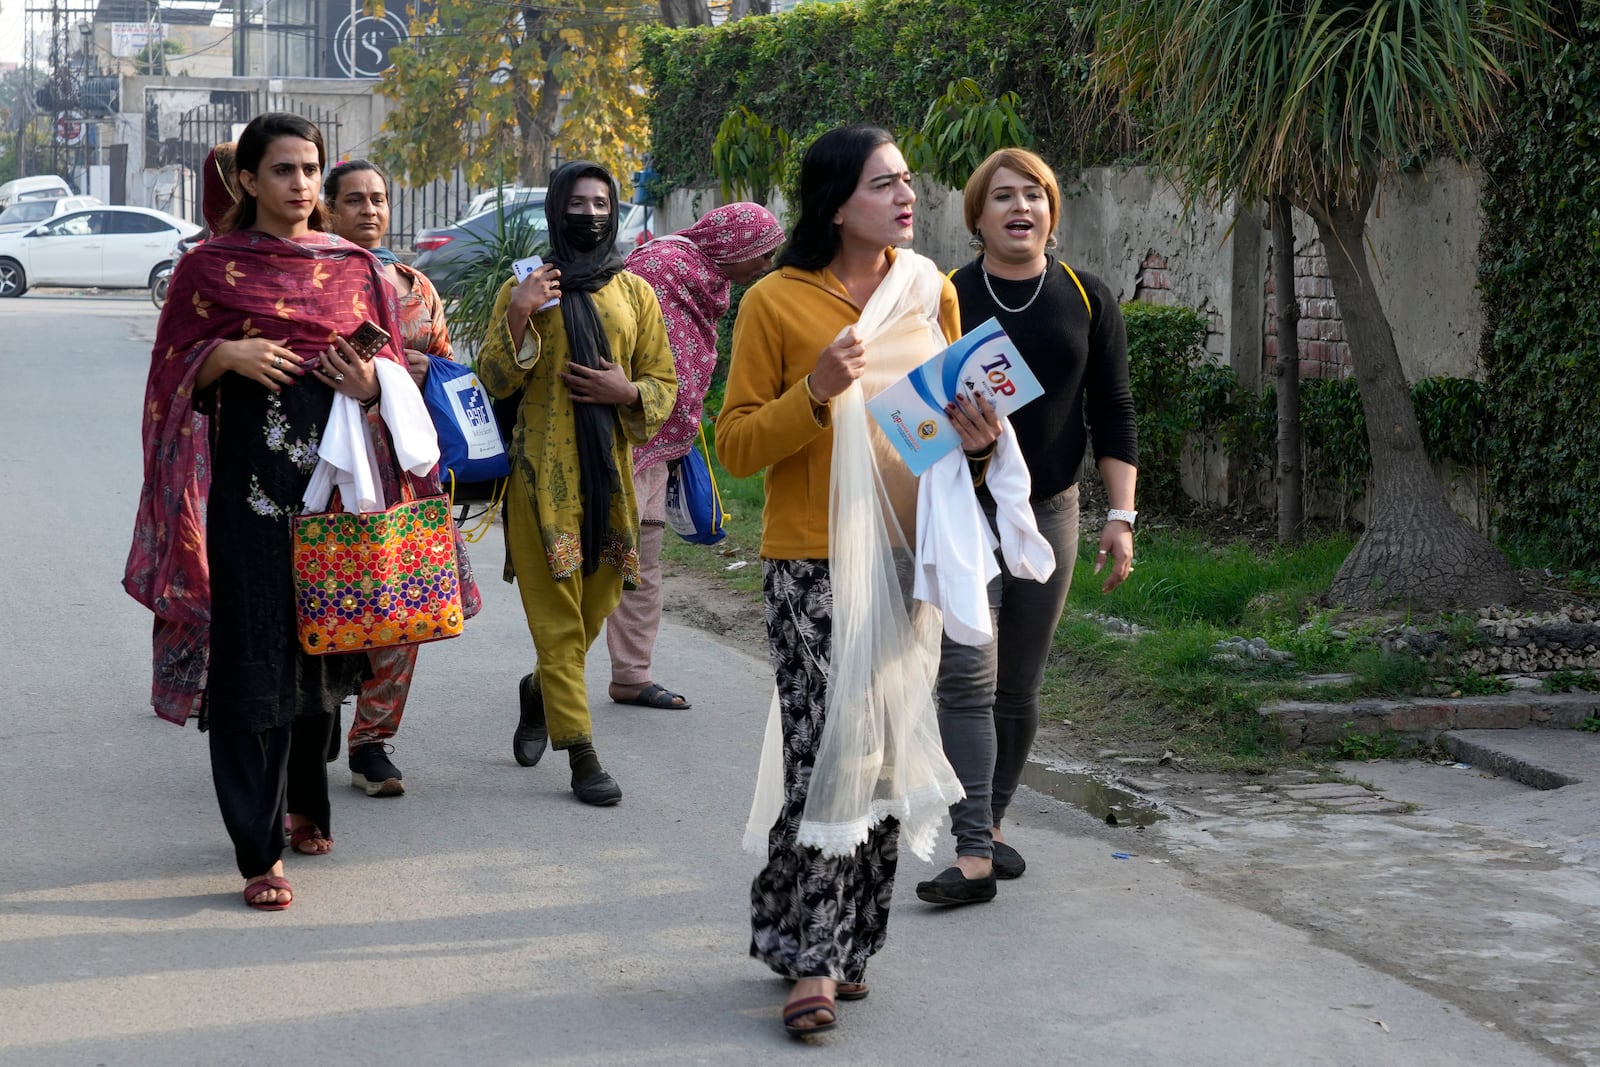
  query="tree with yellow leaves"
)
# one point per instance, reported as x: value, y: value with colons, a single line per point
x: 500, y: 87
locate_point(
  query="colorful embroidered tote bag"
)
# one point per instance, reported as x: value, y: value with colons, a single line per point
x: 376, y: 579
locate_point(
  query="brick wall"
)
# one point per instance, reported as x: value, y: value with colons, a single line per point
x: 1323, y: 351
x: 1154, y: 286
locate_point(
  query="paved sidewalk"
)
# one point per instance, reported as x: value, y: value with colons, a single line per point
x: 1476, y: 886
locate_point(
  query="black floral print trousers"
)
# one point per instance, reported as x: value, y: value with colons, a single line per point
x: 813, y: 916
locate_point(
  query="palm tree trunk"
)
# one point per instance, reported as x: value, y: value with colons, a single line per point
x: 1416, y: 550
x: 1287, y: 371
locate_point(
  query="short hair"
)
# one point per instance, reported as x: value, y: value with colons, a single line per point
x: 1024, y: 163
x: 829, y: 173
x: 253, y: 144
x: 339, y: 171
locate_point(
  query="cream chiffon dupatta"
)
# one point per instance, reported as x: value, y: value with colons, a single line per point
x: 880, y: 754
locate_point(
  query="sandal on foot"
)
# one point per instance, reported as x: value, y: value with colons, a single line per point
x: 851, y: 991
x: 796, y: 1010
x: 655, y: 696
x: 258, y: 889
x: 309, y: 832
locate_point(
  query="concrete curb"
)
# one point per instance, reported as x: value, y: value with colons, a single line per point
x: 1307, y: 723
x: 1485, y: 754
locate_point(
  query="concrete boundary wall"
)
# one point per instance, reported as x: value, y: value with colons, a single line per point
x: 1130, y: 226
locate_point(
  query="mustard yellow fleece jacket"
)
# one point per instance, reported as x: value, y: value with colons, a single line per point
x: 767, y: 419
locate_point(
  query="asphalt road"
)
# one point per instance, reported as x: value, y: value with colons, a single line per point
x: 487, y: 917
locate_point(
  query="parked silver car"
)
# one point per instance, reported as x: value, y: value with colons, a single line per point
x: 447, y: 254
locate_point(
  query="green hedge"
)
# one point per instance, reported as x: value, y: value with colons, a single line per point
x: 881, y: 61
x: 1539, y: 264
x: 1179, y: 398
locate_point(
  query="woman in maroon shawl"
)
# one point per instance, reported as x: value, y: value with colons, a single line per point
x: 249, y: 353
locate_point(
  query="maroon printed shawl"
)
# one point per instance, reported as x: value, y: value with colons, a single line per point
x: 300, y: 293
x: 694, y: 294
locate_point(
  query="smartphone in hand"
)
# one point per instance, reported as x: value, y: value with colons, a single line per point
x: 368, y: 339
x: 524, y: 267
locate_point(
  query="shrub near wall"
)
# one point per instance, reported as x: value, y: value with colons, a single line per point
x: 881, y: 61
x: 1183, y: 401
x: 1541, y: 287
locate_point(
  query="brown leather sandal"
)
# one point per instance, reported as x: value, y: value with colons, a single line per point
x: 259, y: 888
x: 310, y: 833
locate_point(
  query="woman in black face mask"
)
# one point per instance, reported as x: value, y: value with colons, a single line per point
x: 591, y: 363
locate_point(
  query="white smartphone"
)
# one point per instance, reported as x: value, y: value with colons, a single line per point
x: 524, y: 267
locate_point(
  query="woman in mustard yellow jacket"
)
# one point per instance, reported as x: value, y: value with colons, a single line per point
x: 820, y: 906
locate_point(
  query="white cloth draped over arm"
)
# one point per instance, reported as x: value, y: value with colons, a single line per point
x: 416, y: 442
x: 345, y: 458
x: 1026, y: 552
x: 880, y: 753
x: 955, y: 545
x: 955, y: 550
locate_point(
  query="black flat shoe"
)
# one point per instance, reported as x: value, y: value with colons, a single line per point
x: 1008, y: 862
x: 599, y: 789
x: 532, y: 735
x: 953, y: 887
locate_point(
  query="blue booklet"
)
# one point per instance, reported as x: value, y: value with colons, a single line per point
x: 983, y: 363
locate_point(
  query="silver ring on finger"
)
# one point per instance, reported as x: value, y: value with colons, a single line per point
x: 338, y: 379
x: 277, y: 361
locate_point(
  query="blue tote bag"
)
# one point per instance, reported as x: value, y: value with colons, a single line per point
x: 471, y: 448
x: 694, y: 507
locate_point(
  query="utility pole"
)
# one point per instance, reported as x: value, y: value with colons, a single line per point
x: 89, y: 67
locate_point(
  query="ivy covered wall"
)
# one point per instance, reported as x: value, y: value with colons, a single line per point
x: 881, y: 61
x: 1540, y: 271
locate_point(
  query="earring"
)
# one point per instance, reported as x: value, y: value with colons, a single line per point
x: 1051, y: 243
x: 975, y: 242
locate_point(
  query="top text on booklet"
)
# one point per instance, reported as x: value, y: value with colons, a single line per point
x: 983, y: 363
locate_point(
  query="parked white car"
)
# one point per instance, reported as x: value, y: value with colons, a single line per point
x: 35, y: 187
x: 25, y: 214
x: 104, y: 247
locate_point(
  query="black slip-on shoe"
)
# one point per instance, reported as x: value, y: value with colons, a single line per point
x: 532, y: 735
x: 953, y: 887
x: 599, y: 789
x: 372, y: 770
x: 1008, y: 862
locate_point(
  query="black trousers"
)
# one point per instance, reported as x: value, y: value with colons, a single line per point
x: 261, y: 777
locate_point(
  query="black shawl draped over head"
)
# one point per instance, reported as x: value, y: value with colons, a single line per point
x: 582, y: 275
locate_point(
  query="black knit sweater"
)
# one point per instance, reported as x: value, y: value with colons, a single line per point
x: 1080, y: 356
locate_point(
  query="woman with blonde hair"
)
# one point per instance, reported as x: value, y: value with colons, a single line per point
x: 1068, y: 328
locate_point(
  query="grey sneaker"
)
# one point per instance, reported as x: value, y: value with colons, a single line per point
x: 370, y: 769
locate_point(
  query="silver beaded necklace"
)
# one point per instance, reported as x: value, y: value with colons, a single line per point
x: 1036, y: 290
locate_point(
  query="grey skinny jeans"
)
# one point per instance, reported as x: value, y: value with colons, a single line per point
x: 989, y: 694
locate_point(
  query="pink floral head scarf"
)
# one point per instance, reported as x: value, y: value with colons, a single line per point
x: 682, y: 268
x: 734, y: 233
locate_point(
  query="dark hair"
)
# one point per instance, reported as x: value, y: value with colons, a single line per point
x: 253, y: 144
x: 829, y: 174
x: 339, y: 171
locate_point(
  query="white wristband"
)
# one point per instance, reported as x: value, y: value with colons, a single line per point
x: 1122, y: 514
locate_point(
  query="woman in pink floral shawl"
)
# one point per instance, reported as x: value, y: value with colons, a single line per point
x: 693, y: 273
